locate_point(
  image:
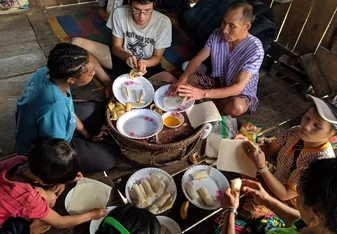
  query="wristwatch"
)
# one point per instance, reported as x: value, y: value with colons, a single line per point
x: 229, y: 209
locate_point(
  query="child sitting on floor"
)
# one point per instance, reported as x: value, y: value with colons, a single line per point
x: 296, y: 149
x: 25, y: 208
x: 129, y: 219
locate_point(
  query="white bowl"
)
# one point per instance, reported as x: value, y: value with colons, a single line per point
x: 176, y: 115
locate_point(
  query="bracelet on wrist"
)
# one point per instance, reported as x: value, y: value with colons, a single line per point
x: 229, y: 209
x: 263, y: 170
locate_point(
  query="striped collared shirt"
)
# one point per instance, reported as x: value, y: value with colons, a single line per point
x: 246, y: 56
x: 285, y: 157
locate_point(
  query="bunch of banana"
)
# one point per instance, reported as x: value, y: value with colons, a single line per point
x: 117, y: 109
x: 155, y: 108
x: 183, y: 209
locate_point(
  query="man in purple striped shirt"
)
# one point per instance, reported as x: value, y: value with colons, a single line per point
x: 236, y: 59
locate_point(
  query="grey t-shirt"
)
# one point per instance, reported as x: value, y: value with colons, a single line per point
x: 141, y: 42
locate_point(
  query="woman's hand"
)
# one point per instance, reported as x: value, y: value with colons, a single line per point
x: 102, y: 132
x: 255, y: 153
x: 97, y: 213
x: 230, y: 198
x: 255, y: 189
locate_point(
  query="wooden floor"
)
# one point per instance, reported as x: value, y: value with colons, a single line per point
x: 26, y: 40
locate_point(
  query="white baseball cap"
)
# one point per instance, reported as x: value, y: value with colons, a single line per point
x: 326, y: 110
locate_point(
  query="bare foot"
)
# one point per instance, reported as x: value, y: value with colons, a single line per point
x: 38, y: 227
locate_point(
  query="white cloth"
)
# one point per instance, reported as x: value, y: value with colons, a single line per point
x: 141, y: 42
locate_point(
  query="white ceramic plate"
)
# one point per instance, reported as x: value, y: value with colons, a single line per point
x: 94, y: 224
x: 67, y: 200
x: 137, y: 84
x: 159, y: 100
x: 216, y: 184
x: 170, y: 224
x: 145, y: 173
x: 140, y: 124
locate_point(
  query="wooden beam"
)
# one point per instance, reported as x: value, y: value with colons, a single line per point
x: 315, y: 75
x: 280, y: 12
x: 327, y: 61
x: 295, y: 22
x: 316, y: 26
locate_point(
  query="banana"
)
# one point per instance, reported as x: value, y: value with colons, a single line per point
x: 126, y: 93
x: 137, y: 104
x: 120, y: 106
x: 183, y: 209
x: 193, y: 158
x: 128, y: 106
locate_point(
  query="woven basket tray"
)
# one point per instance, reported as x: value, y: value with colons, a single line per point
x: 147, y: 152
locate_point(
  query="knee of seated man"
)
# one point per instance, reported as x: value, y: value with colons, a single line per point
x: 234, y: 108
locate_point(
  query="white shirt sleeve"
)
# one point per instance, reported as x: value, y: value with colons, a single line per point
x: 115, y: 23
x: 165, y: 35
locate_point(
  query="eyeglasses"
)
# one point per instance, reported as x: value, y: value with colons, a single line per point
x: 138, y: 11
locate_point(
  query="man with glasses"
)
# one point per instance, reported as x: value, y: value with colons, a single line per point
x: 139, y: 38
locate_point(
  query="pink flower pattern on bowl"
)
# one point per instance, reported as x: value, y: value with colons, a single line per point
x: 132, y: 134
x: 127, y: 83
x: 175, y: 114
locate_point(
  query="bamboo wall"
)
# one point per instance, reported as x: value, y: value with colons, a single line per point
x: 304, y: 25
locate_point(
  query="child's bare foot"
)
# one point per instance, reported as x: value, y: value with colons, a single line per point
x: 38, y: 227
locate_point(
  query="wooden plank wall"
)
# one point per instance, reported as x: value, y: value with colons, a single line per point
x: 305, y: 24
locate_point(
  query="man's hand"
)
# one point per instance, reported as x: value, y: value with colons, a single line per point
x: 97, y: 213
x: 172, y: 91
x: 78, y: 177
x: 191, y: 92
x: 131, y: 61
x: 108, y: 89
x: 230, y: 198
x: 141, y: 65
x: 99, y: 136
x: 57, y: 189
x: 255, y: 153
x: 255, y: 189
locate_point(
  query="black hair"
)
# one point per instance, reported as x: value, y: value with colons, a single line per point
x: 318, y: 185
x: 247, y: 10
x: 53, y: 161
x: 133, y: 219
x: 143, y: 1
x: 67, y: 60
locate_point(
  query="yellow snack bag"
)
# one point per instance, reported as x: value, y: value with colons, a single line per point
x: 250, y: 130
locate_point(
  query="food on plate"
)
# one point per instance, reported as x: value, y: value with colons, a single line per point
x: 164, y: 230
x: 141, y: 188
x: 250, y: 130
x: 142, y: 93
x: 153, y: 193
x: 171, y: 121
x: 205, y: 196
x: 135, y: 93
x: 191, y: 191
x: 171, y: 103
x: 126, y: 93
x: 140, y: 199
x: 236, y: 184
x: 147, y: 187
x: 183, y: 209
x: 155, y: 108
x: 160, y: 202
x: 193, y: 158
x: 198, y: 175
x: 135, y: 73
x: 137, y: 104
x: 117, y: 109
x: 157, y: 184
